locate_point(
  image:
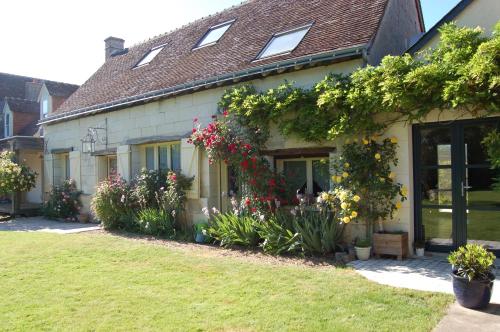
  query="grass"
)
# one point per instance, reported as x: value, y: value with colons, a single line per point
x: 104, y: 282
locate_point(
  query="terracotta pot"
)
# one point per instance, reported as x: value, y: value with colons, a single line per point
x: 363, y: 253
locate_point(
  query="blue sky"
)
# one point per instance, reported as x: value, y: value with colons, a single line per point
x: 64, y: 40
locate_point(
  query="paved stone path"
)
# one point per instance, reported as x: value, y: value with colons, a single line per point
x: 39, y: 224
x: 433, y: 274
x: 427, y: 273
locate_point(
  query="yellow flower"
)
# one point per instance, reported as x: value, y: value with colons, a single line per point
x: 345, y: 175
x: 354, y: 214
x: 398, y: 205
x: 325, y: 196
x: 365, y: 141
x: 346, y: 220
x: 394, y: 140
x: 356, y: 198
x: 338, y: 179
x: 392, y: 175
x: 382, y: 180
x: 404, y: 191
x: 343, y: 205
x: 355, y: 140
x: 378, y: 156
x: 347, y: 165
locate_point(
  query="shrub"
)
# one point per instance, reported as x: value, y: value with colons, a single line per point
x: 113, y: 204
x: 472, y: 261
x: 278, y: 237
x: 64, y: 202
x: 14, y: 177
x: 231, y: 229
x: 156, y: 222
x: 320, y: 231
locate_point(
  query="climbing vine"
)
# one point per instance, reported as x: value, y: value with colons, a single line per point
x: 461, y: 74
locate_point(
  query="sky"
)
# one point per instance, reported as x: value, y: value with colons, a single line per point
x: 63, y: 40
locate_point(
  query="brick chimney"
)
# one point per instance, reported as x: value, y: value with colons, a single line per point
x: 113, y: 44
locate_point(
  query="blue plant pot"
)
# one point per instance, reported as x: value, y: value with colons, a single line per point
x: 199, y: 238
x: 473, y: 294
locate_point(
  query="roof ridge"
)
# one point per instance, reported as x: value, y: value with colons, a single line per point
x: 35, y: 78
x: 19, y: 99
x: 190, y: 23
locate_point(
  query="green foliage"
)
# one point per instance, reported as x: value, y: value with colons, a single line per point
x: 320, y: 231
x: 279, y: 236
x: 492, y: 144
x: 156, y: 222
x: 365, y: 169
x: 64, y: 202
x: 472, y: 261
x: 231, y: 229
x: 14, y: 177
x: 462, y: 73
x: 113, y: 204
x: 363, y: 243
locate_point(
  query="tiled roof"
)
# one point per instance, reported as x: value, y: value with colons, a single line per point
x: 336, y: 25
x: 13, y: 85
x: 23, y: 105
x: 58, y: 89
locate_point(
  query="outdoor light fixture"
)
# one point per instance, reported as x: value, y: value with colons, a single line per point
x: 95, y: 135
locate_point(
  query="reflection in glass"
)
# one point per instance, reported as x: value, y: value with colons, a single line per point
x: 296, y: 174
x: 483, y: 227
x: 437, y: 226
x: 321, y: 178
x: 436, y: 186
x: 436, y: 146
x: 481, y: 188
x: 474, y: 134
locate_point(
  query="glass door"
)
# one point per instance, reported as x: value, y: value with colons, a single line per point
x: 457, y: 196
x: 480, y: 188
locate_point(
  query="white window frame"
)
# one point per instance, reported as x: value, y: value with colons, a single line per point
x: 7, y: 121
x: 260, y: 56
x: 108, y: 162
x: 156, y: 154
x: 200, y: 44
x: 309, y: 169
x: 140, y: 63
x: 44, y: 105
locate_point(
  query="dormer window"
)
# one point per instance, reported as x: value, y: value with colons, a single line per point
x: 45, y: 108
x: 150, y: 56
x: 284, y: 42
x: 214, y: 34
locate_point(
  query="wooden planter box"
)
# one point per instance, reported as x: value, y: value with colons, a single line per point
x: 391, y: 244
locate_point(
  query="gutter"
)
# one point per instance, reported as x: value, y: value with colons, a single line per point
x: 345, y: 53
x: 17, y: 137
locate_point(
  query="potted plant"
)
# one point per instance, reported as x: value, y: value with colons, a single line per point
x: 420, y: 248
x: 200, y: 232
x: 363, y: 248
x: 472, y: 275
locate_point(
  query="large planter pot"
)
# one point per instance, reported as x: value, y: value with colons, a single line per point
x: 363, y: 253
x: 473, y: 294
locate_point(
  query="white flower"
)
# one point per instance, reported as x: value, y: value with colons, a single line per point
x: 215, y: 211
x: 205, y: 212
x: 319, y: 200
x: 262, y: 217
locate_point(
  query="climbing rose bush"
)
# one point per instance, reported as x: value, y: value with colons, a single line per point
x: 260, y: 186
x: 14, y: 177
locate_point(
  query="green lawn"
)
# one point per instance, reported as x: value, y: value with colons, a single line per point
x: 104, y: 282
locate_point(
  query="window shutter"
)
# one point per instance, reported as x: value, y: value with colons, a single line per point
x: 123, y: 161
x: 74, y: 168
x: 190, y: 166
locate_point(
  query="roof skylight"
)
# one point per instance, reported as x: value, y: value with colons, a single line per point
x: 150, y: 56
x: 214, y: 34
x: 284, y: 42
